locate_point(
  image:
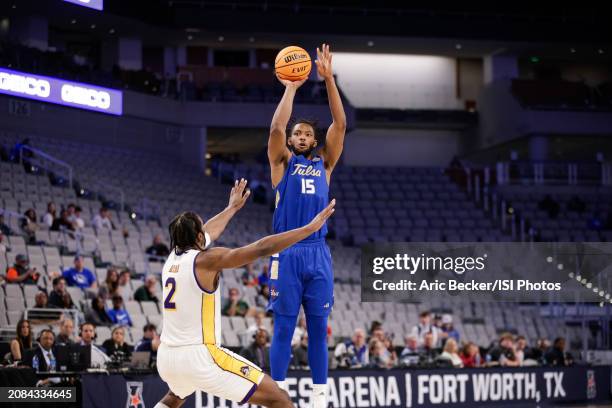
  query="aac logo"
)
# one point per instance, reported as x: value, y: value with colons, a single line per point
x: 86, y: 96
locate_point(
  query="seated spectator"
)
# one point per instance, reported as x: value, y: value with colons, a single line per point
x: 80, y: 276
x: 42, y: 356
x: 22, y: 340
x: 62, y: 222
x: 118, y: 314
x: 264, y: 276
x: 300, y: 330
x: 557, y: 356
x: 504, y: 353
x: 537, y: 353
x: 549, y: 205
x: 520, y: 346
x: 410, y: 354
x: 424, y: 327
x: 379, y: 355
x: 235, y: 306
x: 78, y: 221
x: 102, y: 220
x: 263, y: 297
x: 470, y: 355
x: 428, y: 353
x: 450, y: 353
x: 300, y: 353
x: 258, y: 351
x: 248, y: 334
x: 50, y: 215
x: 29, y: 225
x: 158, y: 249
x: 248, y: 277
x: 3, y: 246
x: 108, y: 288
x: 60, y: 297
x: 97, y: 314
x: 5, y: 229
x: 353, y: 353
x: 391, y: 350
x: 375, y: 326
x: 88, y: 335
x: 21, y: 272
x: 123, y: 285
x: 150, y: 340
x: 65, y: 336
x: 447, y: 330
x: 116, y: 347
x: 147, y: 292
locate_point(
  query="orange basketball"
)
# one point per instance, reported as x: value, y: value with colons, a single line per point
x: 292, y: 63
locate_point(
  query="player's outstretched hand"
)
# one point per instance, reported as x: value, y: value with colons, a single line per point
x: 324, y: 62
x: 291, y: 84
x: 239, y: 194
x: 318, y: 221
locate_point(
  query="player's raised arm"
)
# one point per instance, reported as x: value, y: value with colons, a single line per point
x: 238, y: 197
x: 220, y: 258
x: 278, y: 153
x: 334, y: 141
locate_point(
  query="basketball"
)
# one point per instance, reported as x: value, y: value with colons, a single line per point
x: 292, y: 63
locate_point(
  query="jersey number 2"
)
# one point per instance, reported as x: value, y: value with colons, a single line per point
x: 308, y: 186
x: 168, y: 303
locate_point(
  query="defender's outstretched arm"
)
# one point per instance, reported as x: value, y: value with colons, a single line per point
x: 238, y: 197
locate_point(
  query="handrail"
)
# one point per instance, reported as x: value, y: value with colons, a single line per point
x: 106, y: 186
x: 43, y: 155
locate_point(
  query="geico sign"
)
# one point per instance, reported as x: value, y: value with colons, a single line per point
x: 86, y: 96
x: 25, y: 85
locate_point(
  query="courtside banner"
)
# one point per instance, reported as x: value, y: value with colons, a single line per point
x: 520, y: 387
x: 487, y: 271
x: 62, y: 92
x: 94, y: 4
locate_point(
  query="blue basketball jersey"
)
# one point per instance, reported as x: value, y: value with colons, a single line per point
x: 301, y: 195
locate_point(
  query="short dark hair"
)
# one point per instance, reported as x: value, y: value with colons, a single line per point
x: 425, y: 313
x: 43, y: 331
x: 184, y: 230
x: 149, y: 326
x: 310, y: 122
x: 57, y: 280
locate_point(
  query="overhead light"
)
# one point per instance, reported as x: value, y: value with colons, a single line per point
x: 111, y: 31
x: 190, y: 37
x: 208, y: 156
x: 370, y: 43
x: 221, y: 38
x: 92, y: 26
x: 73, y: 21
x: 251, y: 39
x: 458, y: 46
x: 573, y: 50
x: 14, y: 6
x: 600, y: 51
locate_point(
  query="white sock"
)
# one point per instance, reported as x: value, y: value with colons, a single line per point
x: 161, y: 405
x: 319, y: 396
x: 282, y: 384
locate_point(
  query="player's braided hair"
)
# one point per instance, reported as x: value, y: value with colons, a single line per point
x: 184, y: 230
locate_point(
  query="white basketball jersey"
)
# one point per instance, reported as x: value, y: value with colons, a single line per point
x: 191, y: 315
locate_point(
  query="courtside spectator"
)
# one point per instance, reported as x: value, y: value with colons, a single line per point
x: 116, y: 347
x: 118, y: 314
x: 29, y: 225
x: 5, y: 229
x: 80, y: 276
x: 147, y: 292
x: 470, y: 355
x: 158, y: 249
x: 235, y: 305
x: 258, y: 351
x: 102, y: 220
x: 537, y: 353
x: 22, y: 340
x: 353, y: 353
x: 21, y: 272
x: 62, y: 222
x: 50, y: 215
x: 379, y: 355
x: 428, y: 353
x: 123, y: 285
x: 65, y: 336
x: 520, y: 346
x: 97, y: 314
x: 88, y: 336
x: 425, y: 327
x: 504, y: 353
x: 410, y: 354
x: 150, y: 340
x: 59, y: 296
x: 557, y: 356
x: 300, y: 353
x: 450, y: 353
x: 42, y: 356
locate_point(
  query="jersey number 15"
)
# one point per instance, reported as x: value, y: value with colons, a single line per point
x: 308, y: 186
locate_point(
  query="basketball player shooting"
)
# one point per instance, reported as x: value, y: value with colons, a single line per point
x: 190, y: 356
x: 302, y: 275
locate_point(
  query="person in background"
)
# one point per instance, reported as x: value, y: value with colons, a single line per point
x: 5, y: 229
x: 300, y: 330
x: 50, y: 215
x: 79, y: 222
x: 62, y: 222
x: 108, y: 288
x: 29, y: 225
x: 264, y: 276
x: 147, y: 292
x: 263, y: 297
x: 158, y: 249
x: 447, y: 329
x: 353, y: 353
x: 97, y: 313
x: 42, y: 356
x: 80, y: 276
x: 520, y: 346
x: 21, y: 272
x: 450, y: 353
x: 235, y: 305
x: 470, y: 355
x: 22, y: 340
x: 504, y: 353
x: 118, y: 314
x: 537, y: 353
x: 150, y: 340
x: 424, y: 327
x: 3, y: 247
x: 300, y: 353
x: 88, y: 336
x: 116, y: 347
x: 379, y: 355
x: 258, y: 351
x: 123, y: 285
x: 252, y: 329
x: 65, y: 336
x: 428, y: 351
x: 390, y: 350
x: 410, y: 354
x: 60, y: 297
x: 102, y: 220
x: 248, y: 277
x: 557, y: 356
